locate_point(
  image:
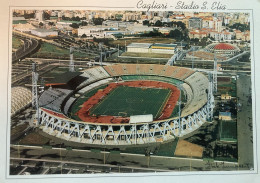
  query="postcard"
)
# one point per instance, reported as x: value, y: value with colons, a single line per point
x: 141, y: 91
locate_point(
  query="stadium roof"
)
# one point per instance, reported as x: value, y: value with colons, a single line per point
x: 141, y: 118
x: 21, y: 97
x: 228, y: 114
x: 164, y: 45
x: 140, y: 45
x: 63, y: 79
x: 224, y: 46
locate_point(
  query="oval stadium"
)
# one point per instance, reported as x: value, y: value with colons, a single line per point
x: 124, y: 104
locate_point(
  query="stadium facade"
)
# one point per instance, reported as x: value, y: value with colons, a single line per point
x: 56, y: 103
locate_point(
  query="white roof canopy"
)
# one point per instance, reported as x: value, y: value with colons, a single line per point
x: 141, y: 118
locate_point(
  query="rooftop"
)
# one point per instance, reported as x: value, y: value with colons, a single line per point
x: 140, y: 45
x: 225, y: 114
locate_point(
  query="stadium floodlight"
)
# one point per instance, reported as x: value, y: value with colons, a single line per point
x: 179, y: 103
x: 100, y: 48
x: 71, y: 66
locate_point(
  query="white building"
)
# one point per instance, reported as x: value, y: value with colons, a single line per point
x: 44, y: 32
x: 152, y: 48
x: 39, y: 16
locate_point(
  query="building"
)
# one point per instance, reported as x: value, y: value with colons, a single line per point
x: 139, y: 47
x: 44, y: 32
x: 39, y: 16
x: 225, y: 116
x: 221, y: 36
x: 197, y: 34
x: 151, y: 48
x: 195, y: 23
x: 224, y: 49
x: 225, y: 96
x: 100, y: 32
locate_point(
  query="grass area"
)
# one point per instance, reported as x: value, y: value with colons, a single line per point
x: 228, y: 131
x: 141, y: 40
x: 228, y: 87
x: 16, y: 43
x: 226, y: 159
x: 48, y: 50
x: 147, y: 55
x: 56, y: 72
x: 76, y: 106
x: 160, y: 149
x: 127, y: 101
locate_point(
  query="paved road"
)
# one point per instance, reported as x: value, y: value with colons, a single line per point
x: 123, y: 159
x: 29, y: 46
x: 244, y: 122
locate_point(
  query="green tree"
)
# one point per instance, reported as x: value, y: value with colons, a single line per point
x: 146, y: 22
x: 51, y: 23
x: 98, y: 21
x: 74, y: 25
x: 176, y: 34
x: 46, y: 15
x: 40, y: 24
x: 158, y: 23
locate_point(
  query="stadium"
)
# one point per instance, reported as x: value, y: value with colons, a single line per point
x: 124, y: 104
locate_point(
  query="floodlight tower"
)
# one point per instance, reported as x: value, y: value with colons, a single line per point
x: 34, y: 86
x: 35, y: 101
x: 179, y: 102
x: 100, y: 48
x: 211, y: 103
x: 71, y: 66
x: 215, y: 76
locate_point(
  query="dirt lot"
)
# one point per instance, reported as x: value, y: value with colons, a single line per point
x: 188, y: 149
x: 34, y: 139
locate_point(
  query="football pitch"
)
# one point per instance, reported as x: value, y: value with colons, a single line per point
x: 228, y: 131
x: 127, y: 101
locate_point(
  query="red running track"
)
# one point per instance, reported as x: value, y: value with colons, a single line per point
x: 84, y: 112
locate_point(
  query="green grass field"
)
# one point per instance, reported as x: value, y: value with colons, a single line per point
x: 16, y: 43
x: 52, y: 51
x: 127, y: 101
x: 228, y: 131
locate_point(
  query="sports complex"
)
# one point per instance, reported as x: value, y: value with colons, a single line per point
x: 124, y: 104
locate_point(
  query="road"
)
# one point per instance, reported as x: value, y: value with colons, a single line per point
x: 244, y: 121
x: 29, y: 46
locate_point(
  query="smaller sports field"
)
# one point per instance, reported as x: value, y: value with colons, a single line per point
x: 127, y: 101
x: 228, y: 131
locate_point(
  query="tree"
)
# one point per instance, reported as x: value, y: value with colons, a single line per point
x: 46, y: 16
x: 74, y: 25
x: 176, y: 34
x: 158, y: 23
x: 241, y: 27
x: 98, y: 21
x: 84, y: 23
x: 40, y: 24
x: 180, y: 24
x: 146, y: 22
x: 51, y: 23
x: 84, y: 35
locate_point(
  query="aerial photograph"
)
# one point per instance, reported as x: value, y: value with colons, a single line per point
x: 106, y: 91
